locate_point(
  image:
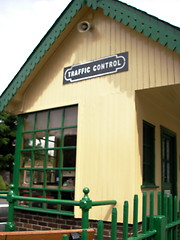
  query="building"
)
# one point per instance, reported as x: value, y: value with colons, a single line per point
x: 98, y: 102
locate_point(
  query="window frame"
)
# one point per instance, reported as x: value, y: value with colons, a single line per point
x: 60, y: 190
x: 147, y: 147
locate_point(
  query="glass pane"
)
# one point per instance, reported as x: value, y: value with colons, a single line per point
x: 164, y: 172
x: 68, y: 179
x: 70, y: 136
x: 23, y: 193
x: 70, y: 116
x: 54, y: 138
x: 52, y: 178
x: 26, y: 159
x: 55, y: 118
x: 69, y: 158
x: 168, y: 172
x: 29, y: 122
x: 67, y: 196
x: 25, y: 178
x: 53, y: 158
x: 27, y: 141
x: 38, y: 178
x: 37, y: 194
x: 41, y: 121
x: 167, y: 149
x: 40, y: 140
x: 51, y: 195
x: 39, y: 159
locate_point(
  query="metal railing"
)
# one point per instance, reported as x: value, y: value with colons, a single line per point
x: 164, y: 225
x: 85, y: 204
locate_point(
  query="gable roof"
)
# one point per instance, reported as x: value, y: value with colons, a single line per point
x: 160, y: 31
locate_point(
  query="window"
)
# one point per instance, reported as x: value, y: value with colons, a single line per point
x: 48, y: 158
x: 148, y: 154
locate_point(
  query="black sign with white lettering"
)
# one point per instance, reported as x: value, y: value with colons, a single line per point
x: 103, y: 66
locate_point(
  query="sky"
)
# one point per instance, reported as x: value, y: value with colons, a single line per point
x: 23, y: 23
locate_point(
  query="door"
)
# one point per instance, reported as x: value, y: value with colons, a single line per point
x: 169, y: 162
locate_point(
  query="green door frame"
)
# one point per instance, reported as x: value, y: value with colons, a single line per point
x: 168, y: 161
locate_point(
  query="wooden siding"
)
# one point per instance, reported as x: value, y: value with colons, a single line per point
x: 150, y: 64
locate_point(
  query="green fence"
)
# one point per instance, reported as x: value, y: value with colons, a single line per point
x: 164, y: 225
x: 85, y: 204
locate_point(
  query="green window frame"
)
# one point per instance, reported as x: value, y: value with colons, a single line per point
x: 148, y: 155
x: 46, y: 147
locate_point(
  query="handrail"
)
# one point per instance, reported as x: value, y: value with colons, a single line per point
x: 45, y: 200
x: 85, y: 204
x: 3, y: 192
x: 100, y: 203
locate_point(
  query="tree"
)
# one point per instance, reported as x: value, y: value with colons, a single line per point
x: 8, y: 124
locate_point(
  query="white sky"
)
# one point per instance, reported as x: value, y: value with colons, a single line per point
x: 23, y: 23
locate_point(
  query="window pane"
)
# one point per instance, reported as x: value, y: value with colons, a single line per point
x: 25, y: 178
x: 68, y: 179
x: 51, y: 195
x: 37, y: 194
x: 40, y: 140
x: 148, y: 153
x: 39, y: 159
x: 69, y: 157
x: 52, y: 178
x: 23, y: 193
x: 69, y: 196
x: 55, y: 118
x: 27, y: 140
x: 53, y: 158
x: 38, y: 178
x: 41, y: 121
x: 26, y: 159
x: 29, y: 122
x: 70, y: 116
x: 70, y: 136
x: 54, y: 138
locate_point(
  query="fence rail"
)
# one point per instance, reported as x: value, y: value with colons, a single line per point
x: 85, y: 204
x: 165, y: 225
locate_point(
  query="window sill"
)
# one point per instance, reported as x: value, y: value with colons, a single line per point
x: 149, y: 186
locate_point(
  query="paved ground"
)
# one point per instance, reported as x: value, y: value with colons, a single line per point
x: 3, y: 214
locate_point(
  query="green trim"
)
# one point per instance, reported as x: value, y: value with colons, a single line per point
x: 160, y: 31
x: 149, y: 186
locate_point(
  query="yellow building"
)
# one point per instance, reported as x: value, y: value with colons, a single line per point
x: 98, y: 102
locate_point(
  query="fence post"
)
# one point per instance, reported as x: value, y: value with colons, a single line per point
x: 10, y: 226
x: 125, y: 220
x: 160, y: 226
x: 100, y: 230
x: 85, y: 205
x: 114, y: 224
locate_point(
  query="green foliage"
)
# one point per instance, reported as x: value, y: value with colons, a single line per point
x: 3, y: 184
x: 8, y: 125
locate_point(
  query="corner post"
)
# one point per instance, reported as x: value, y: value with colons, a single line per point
x: 85, y: 205
x: 160, y: 226
x: 10, y: 226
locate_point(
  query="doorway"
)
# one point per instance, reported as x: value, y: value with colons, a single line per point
x: 168, y: 162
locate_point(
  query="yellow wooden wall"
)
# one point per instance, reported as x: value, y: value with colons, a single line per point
x: 108, y: 153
